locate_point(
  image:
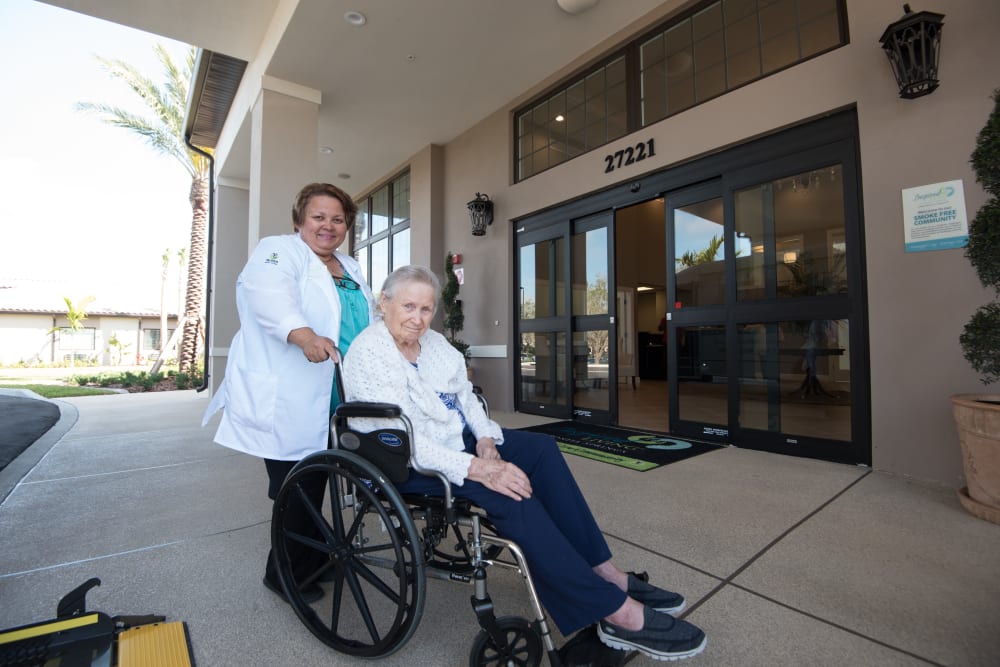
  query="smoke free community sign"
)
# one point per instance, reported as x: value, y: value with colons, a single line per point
x: 934, y: 217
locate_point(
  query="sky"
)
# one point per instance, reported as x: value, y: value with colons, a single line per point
x: 82, y: 201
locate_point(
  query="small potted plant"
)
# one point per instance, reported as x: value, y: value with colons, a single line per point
x: 977, y: 416
x: 454, y: 318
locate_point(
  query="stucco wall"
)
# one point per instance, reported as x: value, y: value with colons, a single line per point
x: 918, y: 302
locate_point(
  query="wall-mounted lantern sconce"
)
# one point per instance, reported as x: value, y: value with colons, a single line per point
x: 481, y: 213
x: 913, y: 45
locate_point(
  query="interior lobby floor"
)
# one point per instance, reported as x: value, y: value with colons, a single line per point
x: 784, y: 561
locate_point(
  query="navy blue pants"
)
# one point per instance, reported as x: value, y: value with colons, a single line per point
x: 554, y: 528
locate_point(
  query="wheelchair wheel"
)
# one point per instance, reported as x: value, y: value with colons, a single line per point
x: 524, y: 646
x: 361, y: 543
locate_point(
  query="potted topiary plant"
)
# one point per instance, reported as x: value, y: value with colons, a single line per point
x: 977, y: 416
x: 454, y: 318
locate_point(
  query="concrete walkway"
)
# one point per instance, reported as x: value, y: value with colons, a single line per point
x: 785, y: 561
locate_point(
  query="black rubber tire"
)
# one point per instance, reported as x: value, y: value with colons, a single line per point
x: 523, y: 642
x: 375, y: 591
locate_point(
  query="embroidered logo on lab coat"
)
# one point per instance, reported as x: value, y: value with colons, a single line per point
x: 273, y: 259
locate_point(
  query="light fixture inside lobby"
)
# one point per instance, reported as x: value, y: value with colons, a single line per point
x: 326, y: 150
x: 575, y: 6
x: 355, y: 18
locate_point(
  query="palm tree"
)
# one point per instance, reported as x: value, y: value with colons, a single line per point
x: 691, y: 258
x: 163, y: 130
x: 75, y: 315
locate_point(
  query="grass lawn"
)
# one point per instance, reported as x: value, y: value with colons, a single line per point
x: 58, y: 390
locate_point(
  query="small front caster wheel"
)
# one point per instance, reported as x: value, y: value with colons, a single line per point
x: 524, y: 646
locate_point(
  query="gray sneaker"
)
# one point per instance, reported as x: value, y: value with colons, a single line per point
x: 663, y: 601
x: 662, y: 637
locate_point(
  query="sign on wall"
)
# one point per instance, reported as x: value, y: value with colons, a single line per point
x: 934, y: 217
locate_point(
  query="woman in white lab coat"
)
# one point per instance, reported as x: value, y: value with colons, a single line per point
x: 297, y: 298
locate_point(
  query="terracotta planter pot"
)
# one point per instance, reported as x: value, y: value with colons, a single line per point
x: 977, y: 417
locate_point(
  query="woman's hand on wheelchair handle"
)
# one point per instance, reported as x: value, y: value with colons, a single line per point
x: 316, y: 348
x: 500, y: 476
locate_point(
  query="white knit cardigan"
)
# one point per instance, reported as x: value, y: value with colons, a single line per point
x: 376, y: 371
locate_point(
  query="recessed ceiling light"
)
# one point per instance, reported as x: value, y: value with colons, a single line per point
x: 325, y: 150
x: 575, y: 6
x: 355, y: 18
x: 560, y: 118
x: 344, y: 176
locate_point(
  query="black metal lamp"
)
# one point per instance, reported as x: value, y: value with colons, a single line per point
x: 913, y: 45
x: 481, y: 213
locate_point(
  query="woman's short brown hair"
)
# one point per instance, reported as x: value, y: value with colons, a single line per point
x: 328, y: 190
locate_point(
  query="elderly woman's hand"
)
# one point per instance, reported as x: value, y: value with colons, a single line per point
x: 500, y: 476
x: 486, y: 448
x: 316, y: 348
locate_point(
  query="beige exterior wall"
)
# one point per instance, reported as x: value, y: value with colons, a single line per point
x: 918, y: 302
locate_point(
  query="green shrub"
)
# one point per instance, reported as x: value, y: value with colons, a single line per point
x: 980, y: 339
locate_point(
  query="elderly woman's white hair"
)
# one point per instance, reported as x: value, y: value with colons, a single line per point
x: 411, y: 273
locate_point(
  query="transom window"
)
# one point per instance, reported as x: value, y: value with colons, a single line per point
x: 717, y: 46
x: 382, y: 231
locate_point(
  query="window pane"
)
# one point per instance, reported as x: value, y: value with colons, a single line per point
x: 361, y: 223
x: 401, y: 199
x: 380, y: 264
x: 362, y: 256
x: 699, y: 256
x: 151, y: 338
x: 820, y: 34
x: 380, y: 211
x: 400, y: 249
x: 77, y: 340
x: 792, y: 231
x: 781, y: 51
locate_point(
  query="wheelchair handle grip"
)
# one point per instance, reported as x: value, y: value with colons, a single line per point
x: 369, y: 410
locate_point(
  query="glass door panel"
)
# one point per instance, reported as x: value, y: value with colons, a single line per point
x: 543, y: 374
x: 699, y: 254
x: 590, y: 373
x: 543, y: 368
x: 793, y: 378
x: 702, y: 396
x: 543, y: 266
x: 790, y: 236
x: 592, y: 334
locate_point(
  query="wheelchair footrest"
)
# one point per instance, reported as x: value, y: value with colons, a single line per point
x: 156, y: 645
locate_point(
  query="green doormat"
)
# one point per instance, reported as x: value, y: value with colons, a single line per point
x: 636, y: 450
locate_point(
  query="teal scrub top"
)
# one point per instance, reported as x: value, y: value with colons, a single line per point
x: 353, y: 318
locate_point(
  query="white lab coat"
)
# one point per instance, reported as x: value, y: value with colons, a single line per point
x: 276, y: 403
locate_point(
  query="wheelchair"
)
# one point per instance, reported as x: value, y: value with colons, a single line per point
x: 361, y: 535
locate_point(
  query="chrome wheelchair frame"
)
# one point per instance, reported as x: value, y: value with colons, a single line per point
x: 363, y: 535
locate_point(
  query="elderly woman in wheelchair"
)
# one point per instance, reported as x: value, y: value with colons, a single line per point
x: 414, y: 442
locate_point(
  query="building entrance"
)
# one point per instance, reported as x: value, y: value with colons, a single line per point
x: 727, y: 310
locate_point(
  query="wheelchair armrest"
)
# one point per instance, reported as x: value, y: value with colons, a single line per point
x: 369, y: 410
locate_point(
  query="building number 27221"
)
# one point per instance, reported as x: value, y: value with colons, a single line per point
x: 626, y: 156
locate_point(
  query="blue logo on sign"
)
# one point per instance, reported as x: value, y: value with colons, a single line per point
x: 389, y: 439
